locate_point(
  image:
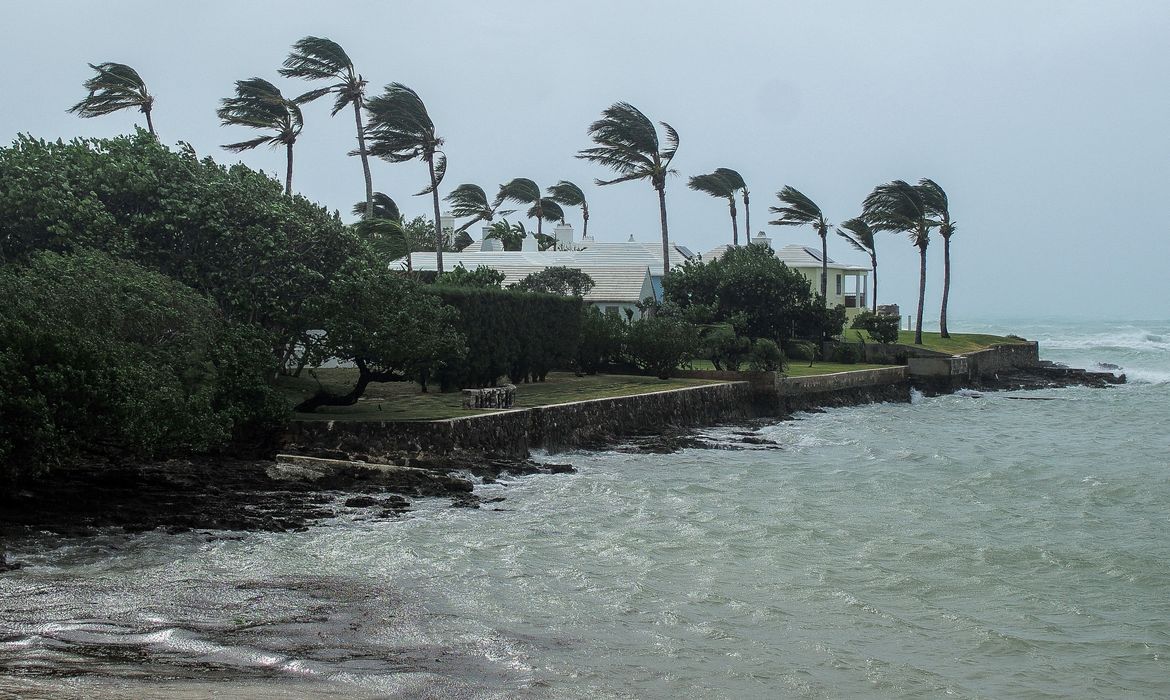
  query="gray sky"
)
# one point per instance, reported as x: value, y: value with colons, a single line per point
x: 1046, y: 122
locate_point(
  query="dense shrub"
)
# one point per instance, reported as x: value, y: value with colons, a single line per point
x: 603, y: 337
x: 481, y: 276
x: 659, y: 345
x: 881, y: 327
x: 106, y: 355
x: 724, y: 348
x: 520, y: 334
x: 765, y: 356
x: 557, y: 280
x: 846, y: 353
x: 801, y: 350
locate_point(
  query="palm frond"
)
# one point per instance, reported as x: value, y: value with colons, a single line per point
x: 566, y: 193
x: 384, y: 208
x: 798, y: 210
x: 317, y: 58
x: 440, y: 173
x: 732, y: 177
x: 937, y: 204
x: 469, y: 200
x: 671, y: 144
x: 258, y: 104
x: 858, y: 234
x: 548, y: 210
x: 520, y: 190
x: 400, y: 128
x: 116, y: 86
x: 712, y: 184
x: 250, y: 144
x: 898, y: 206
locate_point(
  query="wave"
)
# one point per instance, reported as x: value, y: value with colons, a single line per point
x: 1127, y: 338
x: 1146, y: 376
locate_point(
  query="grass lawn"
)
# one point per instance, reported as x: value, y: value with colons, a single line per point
x: 801, y: 368
x: 956, y: 344
x: 403, y: 400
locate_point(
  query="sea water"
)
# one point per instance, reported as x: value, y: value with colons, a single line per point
x: 959, y: 546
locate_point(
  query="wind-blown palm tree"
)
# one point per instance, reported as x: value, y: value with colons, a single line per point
x: 524, y: 191
x: 471, y: 200
x: 799, y: 210
x: 400, y: 130
x: 569, y: 195
x: 628, y: 144
x: 385, y: 210
x: 938, y: 206
x: 860, y: 236
x: 737, y: 183
x: 316, y: 58
x: 899, y: 206
x: 258, y: 104
x: 716, y: 186
x: 116, y: 86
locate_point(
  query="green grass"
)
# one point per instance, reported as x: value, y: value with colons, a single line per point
x: 801, y: 368
x: 958, y: 342
x: 392, y: 401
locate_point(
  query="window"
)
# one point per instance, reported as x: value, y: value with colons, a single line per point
x: 839, y: 290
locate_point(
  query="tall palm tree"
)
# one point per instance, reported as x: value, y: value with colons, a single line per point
x: 116, y: 86
x: 400, y: 130
x: 258, y: 104
x: 569, y: 195
x: 899, y: 206
x: 939, y: 207
x: 628, y: 144
x: 524, y: 191
x: 799, y: 210
x: 738, y: 185
x: 317, y: 58
x: 716, y: 186
x: 471, y: 200
x: 860, y: 236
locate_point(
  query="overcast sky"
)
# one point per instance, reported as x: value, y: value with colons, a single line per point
x: 1048, y: 123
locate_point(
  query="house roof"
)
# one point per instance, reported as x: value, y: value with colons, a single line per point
x: 593, y: 252
x: 793, y: 255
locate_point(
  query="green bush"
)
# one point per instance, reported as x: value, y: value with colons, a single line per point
x: 765, y: 356
x: 801, y: 350
x: 846, y: 353
x: 881, y: 327
x: 603, y: 336
x: 660, y: 345
x: 520, y: 334
x: 724, y: 348
x: 107, y: 356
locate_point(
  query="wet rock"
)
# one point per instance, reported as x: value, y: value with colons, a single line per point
x: 465, y: 501
x: 362, y: 502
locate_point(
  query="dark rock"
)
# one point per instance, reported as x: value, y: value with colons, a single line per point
x: 465, y: 501
x: 361, y: 502
x: 560, y: 468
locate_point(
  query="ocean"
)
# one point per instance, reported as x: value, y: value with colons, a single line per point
x: 959, y: 546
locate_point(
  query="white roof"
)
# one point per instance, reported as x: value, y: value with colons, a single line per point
x: 793, y: 255
x: 589, y: 252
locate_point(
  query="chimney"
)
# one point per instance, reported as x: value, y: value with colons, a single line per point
x: 489, y: 244
x: 529, y: 244
x: 631, y: 238
x: 761, y: 239
x: 564, y: 235
x: 447, y: 223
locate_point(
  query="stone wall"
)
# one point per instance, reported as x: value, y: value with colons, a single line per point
x: 843, y: 389
x: 999, y: 358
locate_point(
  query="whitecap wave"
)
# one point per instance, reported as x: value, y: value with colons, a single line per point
x: 1128, y: 338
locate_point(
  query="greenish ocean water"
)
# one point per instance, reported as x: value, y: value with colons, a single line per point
x: 954, y: 546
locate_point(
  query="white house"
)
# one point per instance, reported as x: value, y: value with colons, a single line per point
x: 848, y: 284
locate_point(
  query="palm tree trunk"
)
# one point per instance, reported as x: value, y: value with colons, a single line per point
x: 747, y: 218
x: 288, y: 172
x: 873, y: 259
x: 825, y: 269
x: 921, y: 293
x: 149, y: 123
x: 438, y: 222
x: 585, y: 219
x: 665, y: 234
x: 361, y: 136
x: 942, y: 321
x: 734, y: 225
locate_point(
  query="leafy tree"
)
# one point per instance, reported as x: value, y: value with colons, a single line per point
x: 567, y: 194
x: 524, y: 191
x: 724, y: 347
x: 462, y: 240
x: 628, y: 144
x: 390, y: 327
x: 766, y: 356
x: 938, y: 206
x: 860, y: 236
x: 900, y: 206
x: 471, y: 200
x: 258, y: 104
x: 659, y: 345
x: 603, y: 338
x: 228, y: 232
x: 716, y: 186
x: 481, y: 277
x: 103, y: 355
x: 116, y: 86
x: 737, y: 183
x: 799, y: 210
x: 881, y: 328
x: 400, y: 130
x: 317, y: 58
x: 748, y: 287
x: 566, y: 281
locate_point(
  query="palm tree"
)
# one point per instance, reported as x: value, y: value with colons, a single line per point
x: 716, y: 186
x: 860, y: 236
x: 400, y: 130
x: 628, y: 144
x: 524, y: 191
x: 316, y: 58
x: 471, y: 200
x: 899, y: 206
x: 258, y: 104
x: 938, y: 206
x: 116, y: 86
x: 738, y: 185
x: 384, y: 207
x: 799, y: 210
x: 568, y: 194
x: 385, y: 210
